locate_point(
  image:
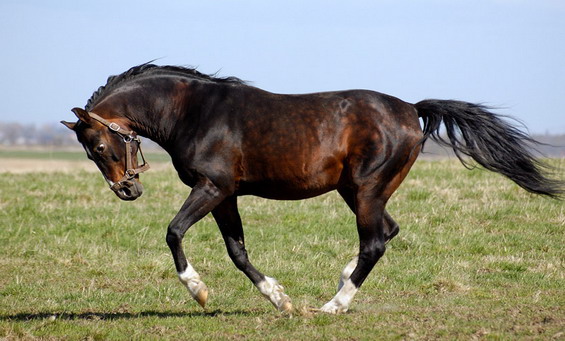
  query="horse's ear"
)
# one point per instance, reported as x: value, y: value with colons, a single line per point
x: 70, y: 125
x: 82, y: 114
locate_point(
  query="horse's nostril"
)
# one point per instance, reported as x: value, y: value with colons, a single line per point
x: 126, y: 192
x: 129, y: 190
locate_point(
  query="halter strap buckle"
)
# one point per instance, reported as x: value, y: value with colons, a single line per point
x: 114, y: 127
x: 130, y: 173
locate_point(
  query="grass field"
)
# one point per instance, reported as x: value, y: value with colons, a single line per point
x: 476, y: 258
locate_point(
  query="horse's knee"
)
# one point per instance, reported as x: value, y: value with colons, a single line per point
x: 174, y: 236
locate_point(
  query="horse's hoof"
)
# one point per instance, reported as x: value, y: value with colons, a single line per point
x: 286, y: 307
x: 202, y: 295
x: 333, y: 308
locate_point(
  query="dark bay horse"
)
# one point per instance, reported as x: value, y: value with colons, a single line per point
x: 227, y: 139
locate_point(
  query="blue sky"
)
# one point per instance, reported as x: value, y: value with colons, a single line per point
x: 506, y: 53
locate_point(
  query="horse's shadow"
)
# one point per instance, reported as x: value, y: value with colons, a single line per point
x: 117, y: 315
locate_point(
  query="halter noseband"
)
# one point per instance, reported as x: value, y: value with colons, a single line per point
x: 128, y: 136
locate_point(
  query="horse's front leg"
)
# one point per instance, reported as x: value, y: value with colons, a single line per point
x: 204, y: 197
x: 229, y: 222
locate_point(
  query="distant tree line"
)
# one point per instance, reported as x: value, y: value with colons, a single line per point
x: 16, y: 134
x: 47, y: 135
x: 550, y: 146
x: 56, y: 135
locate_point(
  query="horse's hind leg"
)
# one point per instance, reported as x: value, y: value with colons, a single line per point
x: 370, y: 226
x: 391, y: 226
x: 374, y: 226
x: 391, y: 229
x: 229, y: 222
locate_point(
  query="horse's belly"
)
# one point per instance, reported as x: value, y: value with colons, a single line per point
x: 291, y: 185
x: 282, y: 190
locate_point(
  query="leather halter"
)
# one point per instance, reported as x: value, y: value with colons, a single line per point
x: 128, y: 136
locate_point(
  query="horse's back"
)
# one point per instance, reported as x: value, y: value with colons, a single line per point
x: 296, y: 146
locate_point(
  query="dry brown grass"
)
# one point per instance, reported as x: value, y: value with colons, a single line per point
x: 23, y: 166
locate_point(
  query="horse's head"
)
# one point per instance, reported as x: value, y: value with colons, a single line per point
x: 113, y: 148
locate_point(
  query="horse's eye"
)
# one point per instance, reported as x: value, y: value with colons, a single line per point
x: 100, y: 149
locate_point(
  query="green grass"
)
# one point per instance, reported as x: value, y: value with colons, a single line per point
x: 476, y: 258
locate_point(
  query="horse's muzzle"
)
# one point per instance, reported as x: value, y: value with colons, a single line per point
x: 128, y: 190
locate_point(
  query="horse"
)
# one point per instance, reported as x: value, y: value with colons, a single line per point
x: 227, y: 139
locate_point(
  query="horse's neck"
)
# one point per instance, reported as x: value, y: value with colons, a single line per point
x: 149, y: 124
x: 165, y: 115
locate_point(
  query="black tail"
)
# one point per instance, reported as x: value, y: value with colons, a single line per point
x: 496, y: 145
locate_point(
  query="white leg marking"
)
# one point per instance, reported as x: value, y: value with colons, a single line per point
x: 340, y: 302
x: 191, y: 280
x: 271, y: 289
x: 347, y: 271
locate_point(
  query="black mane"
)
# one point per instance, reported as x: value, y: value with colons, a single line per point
x: 148, y: 68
